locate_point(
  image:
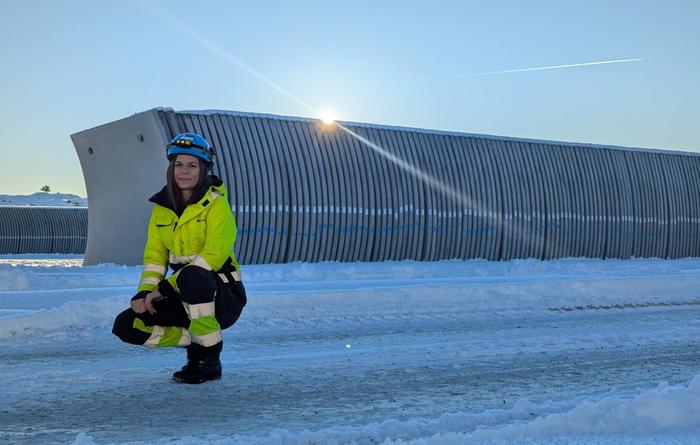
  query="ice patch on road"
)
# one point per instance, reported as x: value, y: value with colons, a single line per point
x: 669, y: 414
x: 665, y: 414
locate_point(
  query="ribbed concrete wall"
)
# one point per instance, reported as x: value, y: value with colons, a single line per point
x: 302, y: 191
x: 42, y: 229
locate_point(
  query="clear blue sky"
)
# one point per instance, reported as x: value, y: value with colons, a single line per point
x: 71, y: 65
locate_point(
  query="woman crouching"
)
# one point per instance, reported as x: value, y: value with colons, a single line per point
x: 193, y: 230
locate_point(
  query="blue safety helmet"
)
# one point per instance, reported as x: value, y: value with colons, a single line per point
x: 191, y: 144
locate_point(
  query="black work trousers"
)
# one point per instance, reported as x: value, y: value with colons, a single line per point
x: 197, y: 286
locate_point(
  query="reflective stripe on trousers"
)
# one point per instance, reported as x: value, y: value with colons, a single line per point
x: 163, y: 337
x: 204, y: 327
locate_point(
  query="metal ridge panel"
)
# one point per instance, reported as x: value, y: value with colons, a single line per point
x: 245, y: 191
x: 270, y: 179
x: 663, y: 202
x: 638, y: 211
x: 358, y: 195
x: 379, y: 197
x: 393, y: 191
x: 457, y: 163
x: 367, y: 227
x: 260, y: 217
x: 538, y: 196
x: 222, y: 151
x: 309, y: 170
x: 397, y: 217
x: 552, y: 204
x: 406, y: 215
x: 611, y: 213
x: 496, y: 203
x: 61, y: 224
x: 297, y: 191
x: 688, y: 235
x: 325, y: 156
x: 566, y: 184
x: 419, y: 189
x: 628, y: 204
x: 433, y: 198
x: 341, y: 174
x: 16, y: 246
x: 504, y: 170
x: 693, y: 170
x: 601, y: 217
x: 434, y: 206
x: 441, y: 172
x: 529, y: 183
x: 284, y: 189
x: 671, y: 173
x: 596, y: 228
x: 319, y: 217
x: 576, y: 195
x: 382, y: 198
x: 468, y: 242
x: 518, y: 199
x: 234, y: 174
x: 452, y: 218
x: 5, y: 236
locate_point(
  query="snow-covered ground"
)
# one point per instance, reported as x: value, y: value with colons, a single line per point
x: 451, y: 352
x: 43, y: 199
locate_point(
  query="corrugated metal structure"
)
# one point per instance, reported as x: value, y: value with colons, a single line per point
x: 304, y: 191
x: 25, y: 229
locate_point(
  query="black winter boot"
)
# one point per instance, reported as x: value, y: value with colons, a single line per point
x: 207, y: 367
x: 194, y: 355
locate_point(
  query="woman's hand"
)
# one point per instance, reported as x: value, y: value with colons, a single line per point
x: 150, y: 299
x: 139, y: 306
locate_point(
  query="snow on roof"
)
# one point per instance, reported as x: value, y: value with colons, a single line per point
x: 429, y: 131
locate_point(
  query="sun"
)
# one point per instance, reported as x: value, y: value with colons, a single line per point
x: 327, y: 117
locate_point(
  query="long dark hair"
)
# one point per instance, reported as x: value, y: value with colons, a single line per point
x: 175, y: 193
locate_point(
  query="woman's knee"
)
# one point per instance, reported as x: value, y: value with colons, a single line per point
x: 124, y: 328
x: 229, y: 304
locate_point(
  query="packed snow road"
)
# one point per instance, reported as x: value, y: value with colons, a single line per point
x: 364, y: 353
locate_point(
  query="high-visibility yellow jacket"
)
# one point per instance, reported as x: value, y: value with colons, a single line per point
x: 202, y: 236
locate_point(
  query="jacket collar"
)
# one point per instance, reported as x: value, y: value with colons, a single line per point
x: 206, y: 195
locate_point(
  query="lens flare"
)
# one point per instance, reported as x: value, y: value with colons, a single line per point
x: 327, y: 117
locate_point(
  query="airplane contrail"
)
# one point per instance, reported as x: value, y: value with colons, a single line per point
x: 520, y: 70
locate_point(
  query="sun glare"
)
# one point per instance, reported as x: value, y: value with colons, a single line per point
x: 327, y: 117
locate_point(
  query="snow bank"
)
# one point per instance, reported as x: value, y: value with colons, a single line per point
x: 44, y: 199
x: 13, y: 280
x: 22, y: 279
x: 665, y: 414
x: 665, y: 409
x: 74, y: 316
x: 464, y: 288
